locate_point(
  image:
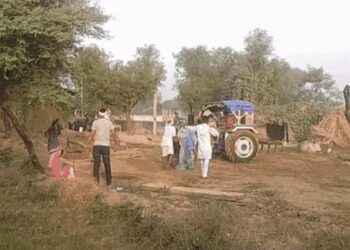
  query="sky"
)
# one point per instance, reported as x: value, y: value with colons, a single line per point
x: 304, y: 31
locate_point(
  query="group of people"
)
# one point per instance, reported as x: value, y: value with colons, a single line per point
x: 102, y: 129
x: 189, y: 139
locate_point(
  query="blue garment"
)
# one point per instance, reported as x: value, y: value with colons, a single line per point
x: 188, y: 141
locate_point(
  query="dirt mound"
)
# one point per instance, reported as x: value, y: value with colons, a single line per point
x: 334, y: 129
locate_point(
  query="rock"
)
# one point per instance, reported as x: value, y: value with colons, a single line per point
x: 309, y: 147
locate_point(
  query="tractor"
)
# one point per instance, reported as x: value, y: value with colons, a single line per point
x: 234, y: 120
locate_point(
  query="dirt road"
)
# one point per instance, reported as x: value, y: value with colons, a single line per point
x: 317, y: 183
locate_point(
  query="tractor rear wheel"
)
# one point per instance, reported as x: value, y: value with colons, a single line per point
x: 241, y: 146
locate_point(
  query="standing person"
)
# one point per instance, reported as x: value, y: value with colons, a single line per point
x: 167, y: 144
x: 177, y: 119
x: 101, y: 133
x: 58, y: 171
x: 204, y: 133
x: 188, y: 141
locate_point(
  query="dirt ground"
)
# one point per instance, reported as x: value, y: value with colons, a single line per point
x: 281, y: 200
x: 311, y: 183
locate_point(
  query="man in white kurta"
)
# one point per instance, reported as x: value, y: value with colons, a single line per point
x: 167, y: 144
x: 204, y: 133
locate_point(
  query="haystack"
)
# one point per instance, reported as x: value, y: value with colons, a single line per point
x: 334, y: 129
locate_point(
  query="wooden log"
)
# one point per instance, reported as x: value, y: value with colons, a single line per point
x: 189, y: 191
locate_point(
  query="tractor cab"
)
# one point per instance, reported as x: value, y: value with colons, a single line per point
x: 235, y: 121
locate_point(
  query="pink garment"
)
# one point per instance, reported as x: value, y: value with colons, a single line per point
x: 55, y: 165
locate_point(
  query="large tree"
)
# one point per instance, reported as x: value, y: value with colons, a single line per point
x: 193, y: 75
x: 252, y: 76
x: 138, y: 80
x: 38, y: 39
x: 202, y: 75
x: 118, y: 85
x: 319, y: 89
x: 92, y: 76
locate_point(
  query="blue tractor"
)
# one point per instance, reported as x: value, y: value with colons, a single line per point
x: 234, y: 119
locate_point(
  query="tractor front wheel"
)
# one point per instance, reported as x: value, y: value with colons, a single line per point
x: 241, y: 146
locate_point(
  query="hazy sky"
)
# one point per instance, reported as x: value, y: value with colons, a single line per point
x: 298, y: 27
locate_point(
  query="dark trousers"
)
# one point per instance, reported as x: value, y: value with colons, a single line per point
x: 103, y: 151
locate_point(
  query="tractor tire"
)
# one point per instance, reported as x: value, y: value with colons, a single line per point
x: 241, y: 146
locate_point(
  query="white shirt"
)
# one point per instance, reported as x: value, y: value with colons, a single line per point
x: 103, y: 128
x: 204, y: 133
x: 168, y: 134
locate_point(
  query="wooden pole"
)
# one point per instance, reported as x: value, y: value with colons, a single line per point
x: 155, y: 97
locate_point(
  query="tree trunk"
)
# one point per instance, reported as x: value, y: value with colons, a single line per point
x: 129, y: 123
x: 22, y: 132
x: 7, y: 124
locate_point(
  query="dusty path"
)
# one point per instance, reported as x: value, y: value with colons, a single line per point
x: 315, y: 183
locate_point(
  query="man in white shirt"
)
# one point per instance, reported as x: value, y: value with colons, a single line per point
x: 204, y: 134
x: 101, y: 132
x: 167, y: 144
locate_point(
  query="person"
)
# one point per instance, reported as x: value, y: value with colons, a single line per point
x: 167, y: 143
x: 102, y: 128
x: 204, y: 133
x: 61, y: 169
x: 211, y: 121
x: 176, y: 119
x: 188, y: 141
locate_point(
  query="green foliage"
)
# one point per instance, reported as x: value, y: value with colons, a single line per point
x: 319, y: 88
x: 300, y: 117
x: 201, y: 74
x: 92, y: 77
x: 53, y: 95
x: 139, y: 79
x: 258, y: 47
x: 40, y: 36
x: 258, y: 76
x: 119, y: 85
x: 38, y: 39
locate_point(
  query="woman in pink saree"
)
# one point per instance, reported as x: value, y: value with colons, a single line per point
x: 58, y: 170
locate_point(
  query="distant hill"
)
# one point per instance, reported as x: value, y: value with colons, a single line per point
x: 336, y: 64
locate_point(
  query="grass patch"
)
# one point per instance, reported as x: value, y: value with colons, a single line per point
x: 34, y: 216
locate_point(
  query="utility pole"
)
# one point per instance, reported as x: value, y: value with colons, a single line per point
x: 82, y: 99
x: 155, y: 101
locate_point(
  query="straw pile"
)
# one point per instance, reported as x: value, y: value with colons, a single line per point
x: 334, y: 129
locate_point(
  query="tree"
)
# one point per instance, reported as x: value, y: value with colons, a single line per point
x: 258, y: 47
x: 252, y: 77
x: 192, y: 70
x: 137, y: 81
x: 120, y: 85
x: 319, y: 88
x: 92, y: 75
x: 38, y: 39
x: 201, y: 74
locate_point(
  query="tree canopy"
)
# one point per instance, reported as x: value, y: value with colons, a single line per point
x: 38, y: 40
x: 256, y: 75
x: 118, y: 85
